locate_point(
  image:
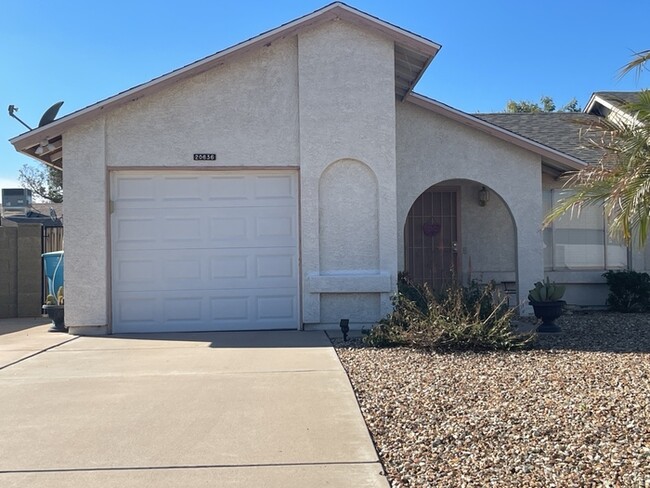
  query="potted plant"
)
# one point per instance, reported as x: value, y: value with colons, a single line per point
x: 54, y: 308
x: 547, y: 304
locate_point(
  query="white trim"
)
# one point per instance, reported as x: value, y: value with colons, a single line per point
x: 621, y: 114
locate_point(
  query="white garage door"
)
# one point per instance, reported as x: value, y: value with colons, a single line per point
x: 201, y: 250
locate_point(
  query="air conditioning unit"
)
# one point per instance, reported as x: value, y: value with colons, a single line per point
x: 16, y: 201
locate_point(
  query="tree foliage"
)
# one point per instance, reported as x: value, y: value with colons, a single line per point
x: 44, y: 181
x: 546, y: 104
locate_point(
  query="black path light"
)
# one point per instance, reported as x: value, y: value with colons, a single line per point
x: 345, y: 328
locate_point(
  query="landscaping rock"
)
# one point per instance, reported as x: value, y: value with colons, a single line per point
x: 573, y: 411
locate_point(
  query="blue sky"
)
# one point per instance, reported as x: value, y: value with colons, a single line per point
x: 83, y: 51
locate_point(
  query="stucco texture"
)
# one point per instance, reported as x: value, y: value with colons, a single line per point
x: 86, y: 239
x: 246, y: 112
x: 347, y: 174
x: 322, y: 101
x: 432, y: 149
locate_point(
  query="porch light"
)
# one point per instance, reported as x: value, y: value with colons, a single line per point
x: 483, y: 196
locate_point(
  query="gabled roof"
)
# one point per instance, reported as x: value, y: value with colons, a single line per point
x: 612, y: 104
x: 553, y: 160
x: 413, y: 54
x: 611, y: 99
x: 563, y: 131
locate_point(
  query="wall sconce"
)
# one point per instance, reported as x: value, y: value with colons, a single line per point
x: 483, y: 196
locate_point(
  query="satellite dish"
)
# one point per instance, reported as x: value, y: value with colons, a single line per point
x: 50, y: 114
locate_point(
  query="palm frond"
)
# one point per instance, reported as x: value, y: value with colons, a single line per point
x: 637, y: 64
x: 621, y: 182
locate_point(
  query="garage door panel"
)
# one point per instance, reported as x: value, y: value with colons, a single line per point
x: 275, y: 308
x: 204, y: 250
x: 149, y: 229
x: 190, y: 190
x: 277, y: 188
x: 229, y: 310
x: 177, y: 190
x: 134, y: 189
x: 205, y: 269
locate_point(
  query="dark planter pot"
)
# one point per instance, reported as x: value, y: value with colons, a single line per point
x: 55, y: 313
x: 548, y: 312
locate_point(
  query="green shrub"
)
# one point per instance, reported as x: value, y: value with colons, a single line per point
x: 629, y: 291
x: 457, y: 319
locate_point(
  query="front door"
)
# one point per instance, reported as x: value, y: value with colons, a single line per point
x: 431, y: 238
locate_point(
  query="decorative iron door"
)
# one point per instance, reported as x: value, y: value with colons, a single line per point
x: 431, y: 238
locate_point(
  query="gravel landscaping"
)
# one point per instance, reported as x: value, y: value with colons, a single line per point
x: 573, y: 411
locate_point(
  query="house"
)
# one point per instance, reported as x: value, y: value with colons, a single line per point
x: 284, y: 182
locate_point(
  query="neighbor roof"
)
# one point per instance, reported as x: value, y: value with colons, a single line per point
x: 413, y: 54
x: 39, y: 213
x: 618, y: 98
x: 610, y: 100
x: 564, y: 131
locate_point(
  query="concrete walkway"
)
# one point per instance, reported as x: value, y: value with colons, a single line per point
x: 271, y: 409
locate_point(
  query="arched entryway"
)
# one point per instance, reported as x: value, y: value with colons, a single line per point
x: 463, y: 231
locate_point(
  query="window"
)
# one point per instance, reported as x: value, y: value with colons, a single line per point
x: 580, y: 242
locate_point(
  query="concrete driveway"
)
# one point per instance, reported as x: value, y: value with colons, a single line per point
x: 272, y: 409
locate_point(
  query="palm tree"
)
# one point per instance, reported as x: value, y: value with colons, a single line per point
x: 621, y: 182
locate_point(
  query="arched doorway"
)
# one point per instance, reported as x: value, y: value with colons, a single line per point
x: 431, y: 237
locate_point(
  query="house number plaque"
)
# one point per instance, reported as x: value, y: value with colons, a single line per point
x: 205, y: 157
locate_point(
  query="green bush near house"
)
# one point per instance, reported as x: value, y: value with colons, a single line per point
x: 629, y: 291
x: 457, y: 319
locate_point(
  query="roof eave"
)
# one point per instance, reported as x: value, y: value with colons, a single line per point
x: 330, y: 12
x: 593, y: 100
x: 562, y: 161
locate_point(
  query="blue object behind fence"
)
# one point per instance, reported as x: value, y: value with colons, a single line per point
x: 53, y: 267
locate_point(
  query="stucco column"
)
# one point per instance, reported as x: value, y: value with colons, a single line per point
x: 84, y: 212
x: 347, y: 174
x: 528, y: 215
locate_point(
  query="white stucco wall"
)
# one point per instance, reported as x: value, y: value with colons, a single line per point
x: 488, y: 244
x: 246, y: 112
x: 432, y: 149
x: 323, y: 102
x: 347, y: 154
x: 86, y: 241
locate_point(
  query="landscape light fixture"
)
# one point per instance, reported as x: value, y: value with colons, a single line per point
x: 345, y: 328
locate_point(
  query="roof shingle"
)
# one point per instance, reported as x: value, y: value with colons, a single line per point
x: 563, y: 131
